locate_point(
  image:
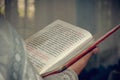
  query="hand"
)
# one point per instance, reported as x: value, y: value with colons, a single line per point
x: 80, y: 64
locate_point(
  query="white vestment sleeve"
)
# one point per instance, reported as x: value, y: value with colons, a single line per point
x: 66, y: 75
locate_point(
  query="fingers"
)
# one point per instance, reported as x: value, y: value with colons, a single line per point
x: 80, y: 64
x: 95, y: 50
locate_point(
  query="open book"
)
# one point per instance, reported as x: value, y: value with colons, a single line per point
x: 57, y: 44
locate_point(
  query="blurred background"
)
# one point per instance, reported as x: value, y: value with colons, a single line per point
x: 97, y: 16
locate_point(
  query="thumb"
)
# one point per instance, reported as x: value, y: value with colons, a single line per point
x: 80, y: 64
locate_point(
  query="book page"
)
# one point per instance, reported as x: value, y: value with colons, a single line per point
x: 54, y: 42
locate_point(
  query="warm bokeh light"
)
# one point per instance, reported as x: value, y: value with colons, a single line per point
x: 2, y: 7
x: 29, y: 7
x: 21, y: 8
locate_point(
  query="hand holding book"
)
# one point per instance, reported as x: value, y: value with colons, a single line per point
x: 83, y: 53
x: 60, y: 44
